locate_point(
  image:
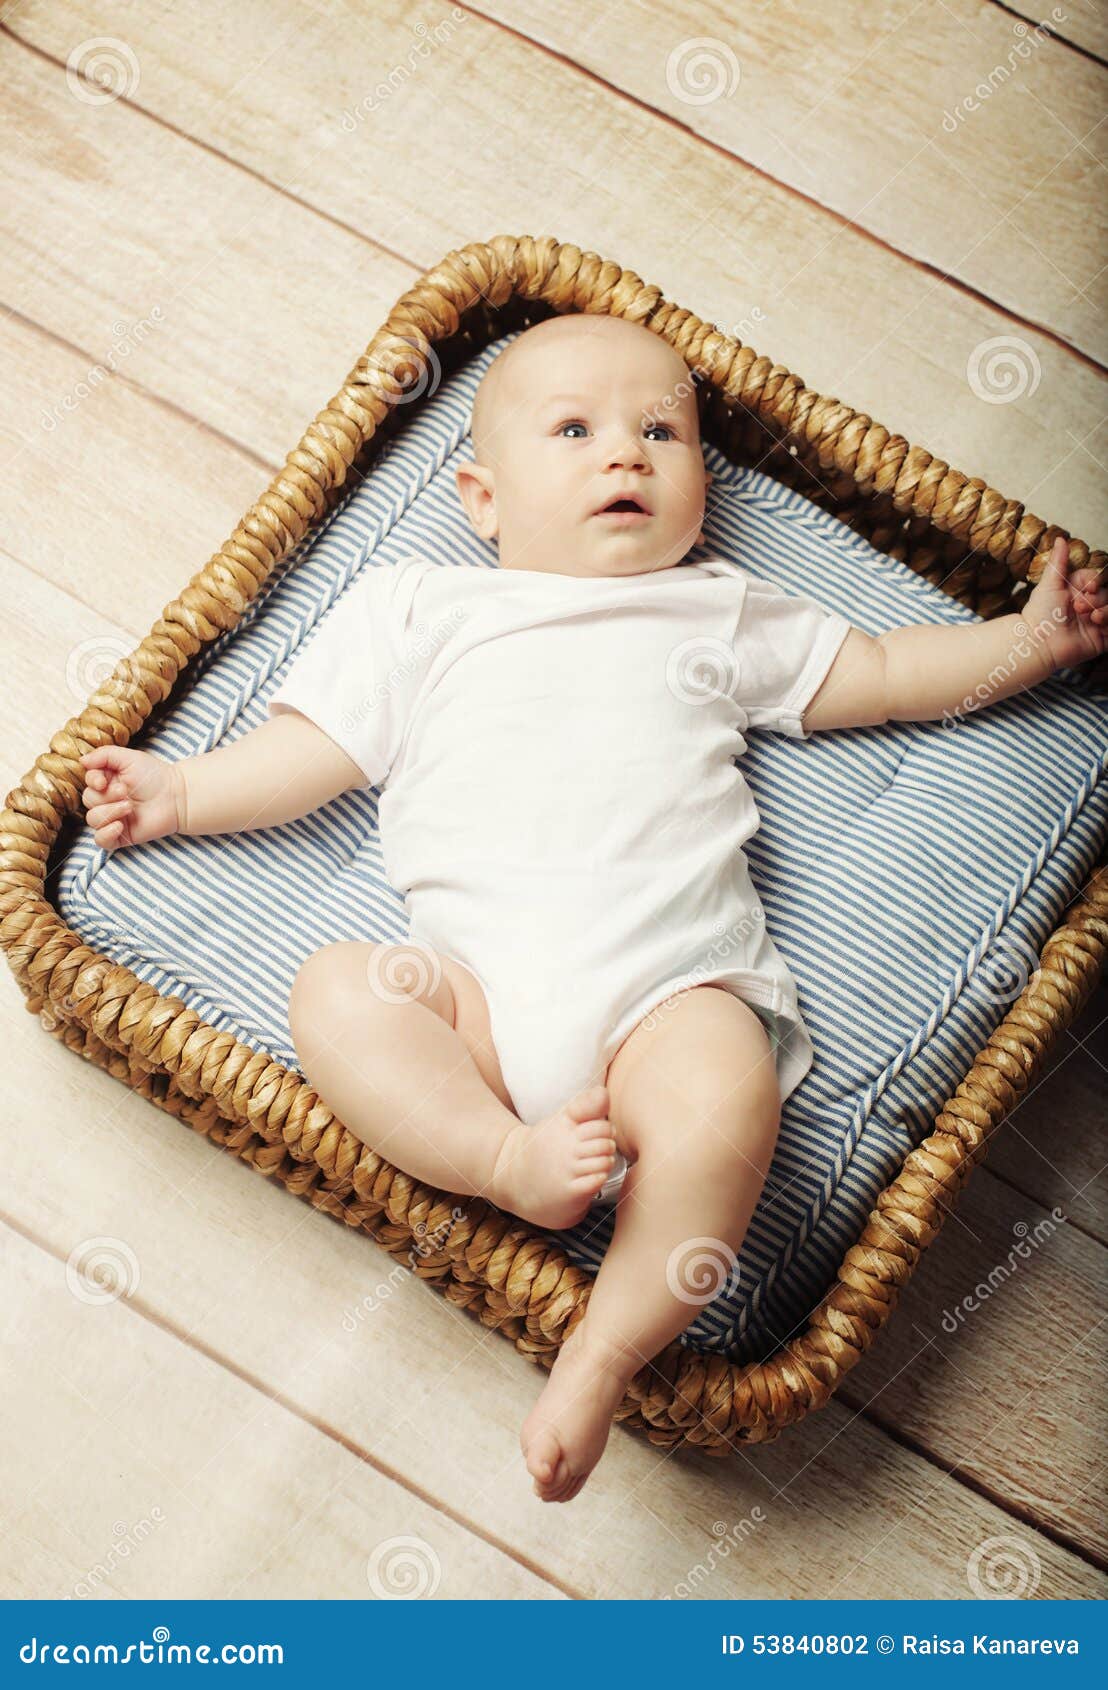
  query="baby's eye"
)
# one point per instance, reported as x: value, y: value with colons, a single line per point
x: 576, y: 423
x: 665, y: 428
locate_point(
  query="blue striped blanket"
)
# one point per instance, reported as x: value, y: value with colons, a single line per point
x: 909, y: 874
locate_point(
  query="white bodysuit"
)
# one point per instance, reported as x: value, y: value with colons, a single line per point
x: 560, y: 805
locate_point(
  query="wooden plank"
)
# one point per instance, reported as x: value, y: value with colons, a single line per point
x: 193, y: 298
x: 991, y: 1361
x: 319, y: 1320
x: 849, y: 316
x: 1083, y: 23
x: 155, y: 1468
x: 118, y: 504
x: 833, y: 1462
x: 1052, y: 1146
x: 56, y: 652
x: 957, y: 135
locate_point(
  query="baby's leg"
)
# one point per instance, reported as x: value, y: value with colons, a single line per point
x: 396, y: 1040
x: 696, y: 1105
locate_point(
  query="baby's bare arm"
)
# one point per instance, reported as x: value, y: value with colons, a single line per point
x: 937, y: 671
x: 913, y: 674
x: 916, y: 674
x: 282, y: 769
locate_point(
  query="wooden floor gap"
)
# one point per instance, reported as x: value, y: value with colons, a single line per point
x: 144, y: 1311
x: 732, y: 158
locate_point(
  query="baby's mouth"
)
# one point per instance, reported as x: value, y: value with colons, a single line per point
x: 624, y: 509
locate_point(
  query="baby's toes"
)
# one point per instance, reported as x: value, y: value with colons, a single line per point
x: 591, y: 1148
x: 590, y: 1104
x: 545, y: 1461
x: 590, y: 1176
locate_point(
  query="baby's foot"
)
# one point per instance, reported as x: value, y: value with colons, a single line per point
x: 549, y: 1173
x: 565, y: 1433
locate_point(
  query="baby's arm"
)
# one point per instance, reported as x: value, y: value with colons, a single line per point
x: 280, y: 770
x: 918, y: 673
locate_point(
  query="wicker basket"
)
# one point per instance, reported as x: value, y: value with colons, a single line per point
x: 967, y: 538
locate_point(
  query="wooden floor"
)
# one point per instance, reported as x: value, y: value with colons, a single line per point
x: 208, y: 211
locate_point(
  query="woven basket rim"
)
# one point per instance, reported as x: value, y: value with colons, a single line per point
x: 511, y: 1275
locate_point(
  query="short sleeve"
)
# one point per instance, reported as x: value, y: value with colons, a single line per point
x: 785, y: 643
x: 358, y: 672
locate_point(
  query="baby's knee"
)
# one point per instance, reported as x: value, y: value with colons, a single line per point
x: 358, y: 977
x: 317, y: 988
x: 741, y: 1122
x: 713, y: 1115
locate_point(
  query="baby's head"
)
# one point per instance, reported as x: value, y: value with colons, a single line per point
x: 575, y: 413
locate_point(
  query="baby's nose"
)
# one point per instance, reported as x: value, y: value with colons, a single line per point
x: 629, y: 452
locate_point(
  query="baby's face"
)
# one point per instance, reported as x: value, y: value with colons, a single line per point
x: 587, y: 411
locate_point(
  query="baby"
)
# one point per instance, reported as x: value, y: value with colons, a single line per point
x: 588, y: 1008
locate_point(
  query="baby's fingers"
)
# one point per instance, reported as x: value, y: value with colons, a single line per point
x: 1093, y: 596
x: 103, y: 758
x: 101, y: 814
x: 110, y: 835
x: 99, y: 791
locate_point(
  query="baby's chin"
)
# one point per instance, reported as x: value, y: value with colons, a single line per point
x: 599, y: 568
x: 612, y: 560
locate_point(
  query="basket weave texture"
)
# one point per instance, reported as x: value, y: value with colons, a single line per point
x: 972, y: 541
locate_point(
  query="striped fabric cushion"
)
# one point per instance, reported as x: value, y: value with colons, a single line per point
x: 910, y: 873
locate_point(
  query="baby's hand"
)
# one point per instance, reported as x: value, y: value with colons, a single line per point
x: 131, y: 796
x: 1068, y: 614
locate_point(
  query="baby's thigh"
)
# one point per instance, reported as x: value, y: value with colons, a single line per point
x: 702, y: 1060
x: 471, y: 1022
x: 449, y: 989
x: 354, y: 975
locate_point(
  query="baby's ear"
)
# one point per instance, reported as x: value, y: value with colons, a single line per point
x: 476, y: 491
